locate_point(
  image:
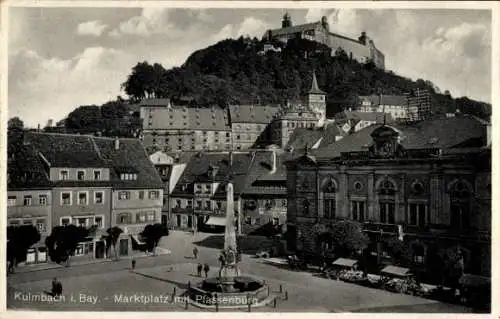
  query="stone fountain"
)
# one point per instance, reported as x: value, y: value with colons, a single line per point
x: 229, y: 288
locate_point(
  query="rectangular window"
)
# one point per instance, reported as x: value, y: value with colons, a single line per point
x: 417, y: 215
x: 80, y: 175
x: 208, y: 205
x: 80, y: 250
x: 189, y: 203
x: 218, y: 205
x: 63, y: 175
x: 27, y: 200
x: 65, y: 221
x: 98, y: 221
x: 65, y: 198
x: 329, y: 208
x: 82, y: 198
x: 199, y: 204
x: 178, y: 203
x: 81, y: 222
x: 99, y: 197
x: 140, y: 217
x: 12, y: 201
x: 358, y: 211
x: 124, y: 195
x: 42, y: 199
x: 40, y: 225
x: 141, y: 194
x: 387, y: 213
x: 154, y: 194
x: 151, y: 216
x: 97, y: 175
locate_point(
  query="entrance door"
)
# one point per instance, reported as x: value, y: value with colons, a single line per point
x: 100, y: 249
x: 123, y: 247
x: 190, y: 221
x: 164, y: 220
x: 179, y: 221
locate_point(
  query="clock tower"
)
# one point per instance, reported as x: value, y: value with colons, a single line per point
x: 316, y: 101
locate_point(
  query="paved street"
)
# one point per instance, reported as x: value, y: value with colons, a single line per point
x: 110, y: 282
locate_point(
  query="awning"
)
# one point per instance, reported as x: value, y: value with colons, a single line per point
x: 137, y: 240
x: 216, y: 221
x: 345, y: 262
x: 396, y: 271
x: 474, y: 280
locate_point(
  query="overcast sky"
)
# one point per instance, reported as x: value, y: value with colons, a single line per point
x: 60, y: 58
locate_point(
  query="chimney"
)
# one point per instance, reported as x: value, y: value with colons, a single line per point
x: 117, y: 143
x: 274, y: 159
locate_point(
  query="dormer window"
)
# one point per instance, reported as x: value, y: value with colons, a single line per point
x: 63, y: 175
x: 80, y: 175
x: 97, y: 175
x: 128, y: 177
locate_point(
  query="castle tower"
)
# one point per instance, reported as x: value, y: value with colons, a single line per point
x: 287, y: 21
x: 324, y: 23
x: 316, y: 100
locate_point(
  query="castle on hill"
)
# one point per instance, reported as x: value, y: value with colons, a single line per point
x: 362, y: 49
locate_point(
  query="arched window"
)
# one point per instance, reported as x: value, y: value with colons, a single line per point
x: 460, y: 205
x: 329, y: 200
x: 387, y: 205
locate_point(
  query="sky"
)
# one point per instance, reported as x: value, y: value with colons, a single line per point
x: 61, y: 58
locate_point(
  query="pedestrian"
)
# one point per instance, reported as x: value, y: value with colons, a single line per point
x: 54, y: 286
x: 133, y: 263
x: 206, y: 268
x: 200, y: 268
x: 195, y: 252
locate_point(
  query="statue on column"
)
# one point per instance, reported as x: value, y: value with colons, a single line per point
x: 228, y: 257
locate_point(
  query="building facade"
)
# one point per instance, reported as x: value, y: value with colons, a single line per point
x: 180, y: 128
x: 85, y: 181
x: 362, y: 49
x: 431, y: 198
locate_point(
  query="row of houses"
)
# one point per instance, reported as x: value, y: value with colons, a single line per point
x: 59, y: 179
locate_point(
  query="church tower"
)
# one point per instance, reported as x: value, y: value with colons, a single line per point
x: 316, y: 100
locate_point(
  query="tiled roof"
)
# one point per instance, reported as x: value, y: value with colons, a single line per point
x: 376, y: 100
x: 302, y: 138
x: 80, y: 151
x: 131, y: 155
x: 260, y: 181
x: 27, y: 171
x: 65, y: 150
x: 454, y: 132
x: 187, y: 118
x: 377, y: 117
x: 252, y: 114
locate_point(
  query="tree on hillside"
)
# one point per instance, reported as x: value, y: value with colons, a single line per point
x: 63, y: 241
x: 146, y: 81
x: 111, y: 239
x: 15, y: 123
x: 84, y: 119
x: 347, y: 238
x: 19, y: 240
x: 151, y: 235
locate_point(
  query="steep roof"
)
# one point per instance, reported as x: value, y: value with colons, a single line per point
x: 66, y: 150
x: 130, y: 155
x: 187, y: 118
x: 314, y: 86
x: 80, y: 151
x: 376, y: 100
x: 439, y: 132
x: 27, y: 171
x: 302, y: 138
x: 377, y: 117
x: 261, y: 180
x: 252, y: 114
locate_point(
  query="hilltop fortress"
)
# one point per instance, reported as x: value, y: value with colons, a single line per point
x: 363, y: 49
